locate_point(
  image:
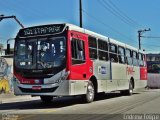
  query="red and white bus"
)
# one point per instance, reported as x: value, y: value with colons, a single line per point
x: 66, y: 60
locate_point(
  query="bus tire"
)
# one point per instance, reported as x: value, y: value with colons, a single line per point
x: 128, y: 92
x: 90, y: 94
x: 46, y: 99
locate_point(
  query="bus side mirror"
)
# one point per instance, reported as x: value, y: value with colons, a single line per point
x: 8, y: 49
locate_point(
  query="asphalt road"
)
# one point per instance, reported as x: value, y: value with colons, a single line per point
x: 142, y: 105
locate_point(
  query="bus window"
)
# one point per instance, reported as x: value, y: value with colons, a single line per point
x: 102, y: 45
x: 135, y: 57
x: 92, y: 42
x: 102, y: 50
x: 78, y: 52
x: 144, y: 60
x: 113, y: 53
x: 157, y: 58
x: 128, y: 56
x: 121, y: 55
x: 92, y: 47
x: 141, y: 59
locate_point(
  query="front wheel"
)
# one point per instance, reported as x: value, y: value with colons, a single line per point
x: 46, y: 99
x: 90, y: 94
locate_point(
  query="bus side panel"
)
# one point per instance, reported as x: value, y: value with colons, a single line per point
x: 137, y: 82
x: 143, y: 73
x: 136, y: 73
x: 102, y: 72
x: 119, y: 74
x: 142, y: 81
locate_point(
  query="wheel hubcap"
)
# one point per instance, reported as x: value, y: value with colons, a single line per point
x: 131, y: 89
x: 90, y: 92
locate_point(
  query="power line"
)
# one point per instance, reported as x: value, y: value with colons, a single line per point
x: 109, y: 8
x: 32, y: 11
x: 150, y: 37
x: 122, y: 13
x: 2, y: 37
x: 97, y: 20
x: 14, y: 7
x: 151, y: 45
x: 118, y: 14
x: 152, y: 50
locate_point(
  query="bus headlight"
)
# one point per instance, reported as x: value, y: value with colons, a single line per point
x: 16, y: 80
x: 62, y: 78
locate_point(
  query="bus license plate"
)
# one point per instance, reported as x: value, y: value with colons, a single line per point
x: 36, y: 87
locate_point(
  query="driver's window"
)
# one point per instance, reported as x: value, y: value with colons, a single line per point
x: 78, y: 51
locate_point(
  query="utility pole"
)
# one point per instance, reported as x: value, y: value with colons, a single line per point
x: 80, y: 12
x: 140, y: 32
x: 14, y: 17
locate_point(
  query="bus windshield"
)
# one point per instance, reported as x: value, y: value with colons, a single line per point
x: 42, y: 53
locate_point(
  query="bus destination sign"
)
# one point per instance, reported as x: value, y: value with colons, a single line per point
x: 41, y: 30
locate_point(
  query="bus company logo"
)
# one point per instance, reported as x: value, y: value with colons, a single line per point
x: 37, y: 81
x: 75, y: 35
x: 25, y: 82
x: 130, y: 70
x: 102, y: 70
x: 90, y: 69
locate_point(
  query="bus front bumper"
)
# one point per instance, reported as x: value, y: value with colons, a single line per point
x: 65, y: 88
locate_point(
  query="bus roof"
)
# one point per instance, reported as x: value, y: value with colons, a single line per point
x: 111, y: 40
x: 91, y: 33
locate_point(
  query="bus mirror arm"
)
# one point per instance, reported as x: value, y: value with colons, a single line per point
x: 8, y: 45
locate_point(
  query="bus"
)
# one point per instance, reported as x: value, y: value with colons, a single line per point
x: 153, y: 65
x: 66, y: 60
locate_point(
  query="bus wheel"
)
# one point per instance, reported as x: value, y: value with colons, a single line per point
x: 89, y: 97
x: 46, y: 99
x: 128, y: 92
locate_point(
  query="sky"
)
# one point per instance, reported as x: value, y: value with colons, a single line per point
x: 117, y: 19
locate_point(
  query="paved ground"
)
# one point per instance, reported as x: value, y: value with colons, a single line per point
x: 143, y: 104
x: 11, y: 98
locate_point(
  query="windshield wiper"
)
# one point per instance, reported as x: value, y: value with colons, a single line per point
x: 44, y: 64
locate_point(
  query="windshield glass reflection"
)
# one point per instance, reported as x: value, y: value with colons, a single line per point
x: 40, y: 53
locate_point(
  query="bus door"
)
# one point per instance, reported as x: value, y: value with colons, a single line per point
x: 81, y: 67
x: 112, y: 83
x: 129, y: 68
x: 143, y: 67
x: 136, y: 71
